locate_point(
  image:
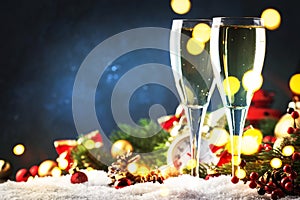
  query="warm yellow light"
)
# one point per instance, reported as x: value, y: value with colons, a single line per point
x: 231, y: 85
x: 56, y: 172
x: 249, y: 145
x: 30, y: 178
x: 194, y: 46
x: 255, y: 133
x: 295, y: 83
x: 236, y: 160
x: 89, y: 144
x: 143, y: 171
x: 181, y: 6
x: 240, y: 173
x: 288, y: 150
x: 218, y: 137
x: 62, y: 163
x: 201, y: 32
x: 132, y: 168
x: 18, y: 149
x: 276, y: 163
x: 252, y: 81
x: 272, y: 18
x: 236, y: 145
x: 191, y: 164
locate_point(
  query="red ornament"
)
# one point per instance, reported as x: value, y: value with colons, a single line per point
x: 291, y: 130
x: 22, y: 175
x: 78, y: 177
x: 225, y: 158
x: 64, y: 147
x: 34, y: 170
x: 296, y: 156
x: 123, y: 182
x: 295, y: 114
x: 252, y: 184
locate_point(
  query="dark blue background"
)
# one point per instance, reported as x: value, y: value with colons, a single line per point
x: 43, y: 44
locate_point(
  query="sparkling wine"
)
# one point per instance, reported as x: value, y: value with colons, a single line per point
x: 241, y: 50
x: 197, y: 72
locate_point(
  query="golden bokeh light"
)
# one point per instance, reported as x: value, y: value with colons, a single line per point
x: 240, y: 173
x: 276, y: 163
x: 236, y: 141
x: 218, y: 137
x: 252, y: 81
x: 201, y: 32
x: 89, y: 144
x: 62, y: 163
x: 231, y: 85
x: 295, y: 83
x: 191, y: 164
x: 288, y: 150
x: 249, y: 145
x: 181, y: 6
x: 236, y: 160
x: 56, y: 172
x: 19, y: 149
x: 255, y: 133
x: 272, y: 18
x: 143, y: 171
x: 132, y: 168
x: 194, y: 46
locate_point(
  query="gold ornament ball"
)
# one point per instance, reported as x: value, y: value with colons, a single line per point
x: 121, y: 147
x: 46, y: 167
x: 5, y: 170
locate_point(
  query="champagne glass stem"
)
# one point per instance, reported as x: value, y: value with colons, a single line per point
x: 195, y: 117
x: 236, y: 121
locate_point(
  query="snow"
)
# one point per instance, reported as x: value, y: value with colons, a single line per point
x: 182, y: 187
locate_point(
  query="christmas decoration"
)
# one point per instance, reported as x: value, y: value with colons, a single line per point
x: 5, y: 170
x: 121, y: 147
x: 22, y: 175
x: 46, y: 167
x: 78, y: 177
x: 63, y: 149
x: 126, y: 171
x: 34, y: 170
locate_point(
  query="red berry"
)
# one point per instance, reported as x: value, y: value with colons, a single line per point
x: 267, y: 147
x: 271, y: 186
x: 123, y: 182
x: 295, y: 114
x: 22, y: 175
x: 79, y: 177
x: 254, y: 176
x: 293, y: 175
x: 287, y: 168
x: 291, y: 130
x: 296, y: 156
x: 235, y: 180
x: 34, y: 170
x: 284, y: 181
x: 252, y: 184
x: 288, y: 186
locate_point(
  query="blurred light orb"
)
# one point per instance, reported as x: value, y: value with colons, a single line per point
x: 218, y: 137
x: 201, y: 32
x: 295, y: 83
x: 89, y: 144
x: 252, y: 81
x: 276, y: 163
x: 56, y: 172
x: 231, y: 85
x: 191, y: 164
x: 143, y: 171
x: 255, y: 133
x: 194, y: 46
x: 288, y: 150
x: 237, y: 160
x: 249, y: 145
x: 236, y: 142
x: 19, y: 149
x: 181, y: 6
x: 132, y: 168
x: 240, y: 173
x: 272, y: 18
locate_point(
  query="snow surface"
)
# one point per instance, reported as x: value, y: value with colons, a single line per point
x: 182, y: 187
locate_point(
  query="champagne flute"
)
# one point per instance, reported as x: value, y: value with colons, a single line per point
x: 237, y: 49
x: 193, y: 75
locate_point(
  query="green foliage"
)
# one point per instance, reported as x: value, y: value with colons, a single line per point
x: 148, y: 140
